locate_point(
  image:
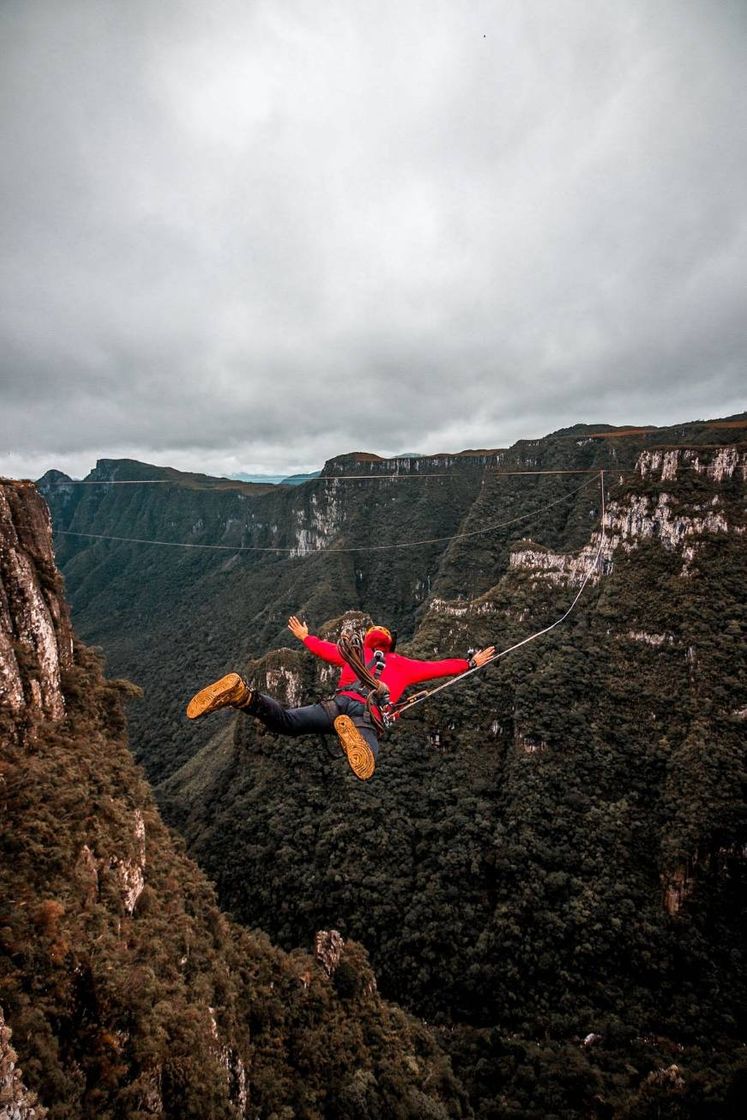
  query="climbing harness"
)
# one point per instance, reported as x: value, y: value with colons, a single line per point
x: 403, y: 706
x: 367, y: 684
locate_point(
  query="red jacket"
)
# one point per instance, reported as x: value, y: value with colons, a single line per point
x: 399, y: 672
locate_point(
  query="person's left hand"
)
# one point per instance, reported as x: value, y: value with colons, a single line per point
x: 483, y: 656
x: 297, y: 628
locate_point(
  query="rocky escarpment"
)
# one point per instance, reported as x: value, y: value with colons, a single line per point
x: 16, y: 1102
x: 662, y: 516
x: 127, y: 991
x: 36, y: 640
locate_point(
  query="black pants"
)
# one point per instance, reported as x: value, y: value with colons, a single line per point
x: 311, y: 719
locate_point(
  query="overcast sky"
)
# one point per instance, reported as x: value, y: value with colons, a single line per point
x: 250, y: 235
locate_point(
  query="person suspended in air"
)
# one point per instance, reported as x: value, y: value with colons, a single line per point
x: 373, y: 677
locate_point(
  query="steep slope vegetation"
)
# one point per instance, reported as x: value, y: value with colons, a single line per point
x: 124, y: 991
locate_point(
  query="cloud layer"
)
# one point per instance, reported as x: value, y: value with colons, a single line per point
x: 248, y: 236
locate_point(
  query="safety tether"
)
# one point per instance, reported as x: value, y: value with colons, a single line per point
x: 397, y: 710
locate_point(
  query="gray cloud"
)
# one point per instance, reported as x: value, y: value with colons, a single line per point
x: 245, y: 236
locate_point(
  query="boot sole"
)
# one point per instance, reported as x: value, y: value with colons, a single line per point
x: 216, y: 695
x: 360, y: 756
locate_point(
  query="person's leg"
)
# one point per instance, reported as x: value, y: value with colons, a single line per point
x: 357, y: 737
x: 343, y: 716
x: 356, y: 711
x: 309, y: 720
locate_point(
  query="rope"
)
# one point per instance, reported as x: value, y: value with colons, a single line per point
x: 237, y: 483
x: 350, y: 649
x: 421, y: 696
x: 309, y: 551
x: 585, y: 470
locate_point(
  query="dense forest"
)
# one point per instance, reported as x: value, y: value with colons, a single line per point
x: 549, y: 865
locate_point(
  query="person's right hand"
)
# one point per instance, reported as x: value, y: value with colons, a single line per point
x: 297, y: 628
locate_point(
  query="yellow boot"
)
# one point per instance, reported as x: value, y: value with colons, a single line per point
x: 360, y: 756
x: 230, y: 691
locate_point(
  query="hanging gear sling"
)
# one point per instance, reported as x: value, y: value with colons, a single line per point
x: 367, y: 685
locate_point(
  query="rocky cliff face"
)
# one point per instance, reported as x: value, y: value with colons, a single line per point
x: 16, y: 1102
x: 36, y: 640
x: 633, y: 518
x: 127, y: 991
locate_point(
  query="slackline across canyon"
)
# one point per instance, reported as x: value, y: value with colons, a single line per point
x: 224, y: 484
x: 299, y: 552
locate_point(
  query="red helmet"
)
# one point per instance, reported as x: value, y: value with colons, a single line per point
x: 378, y: 637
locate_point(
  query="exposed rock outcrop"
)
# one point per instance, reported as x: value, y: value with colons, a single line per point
x: 16, y: 1102
x: 665, y: 465
x: 634, y: 518
x: 131, y: 872
x: 328, y: 947
x: 677, y: 886
x: 36, y: 639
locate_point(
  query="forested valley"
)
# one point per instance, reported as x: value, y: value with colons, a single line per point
x: 548, y: 867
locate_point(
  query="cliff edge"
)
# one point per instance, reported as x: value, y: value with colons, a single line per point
x: 125, y: 989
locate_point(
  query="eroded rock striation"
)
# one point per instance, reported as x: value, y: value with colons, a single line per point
x: 16, y: 1102
x: 36, y: 639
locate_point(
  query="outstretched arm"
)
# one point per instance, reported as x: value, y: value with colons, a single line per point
x: 297, y: 628
x: 326, y: 650
x: 419, y: 671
